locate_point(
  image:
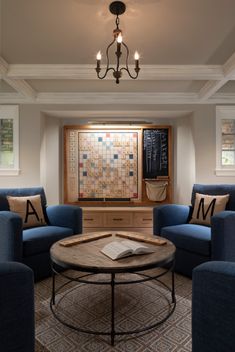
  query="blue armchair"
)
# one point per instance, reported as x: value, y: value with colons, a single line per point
x: 196, y: 244
x: 31, y: 246
x: 16, y: 308
x: 213, y: 309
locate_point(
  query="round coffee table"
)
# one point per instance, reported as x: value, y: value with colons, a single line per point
x: 87, y: 257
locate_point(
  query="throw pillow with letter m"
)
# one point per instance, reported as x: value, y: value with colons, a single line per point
x: 206, y: 206
x: 29, y: 208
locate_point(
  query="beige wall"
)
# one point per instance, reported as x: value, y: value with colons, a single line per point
x: 51, y: 158
x: 184, y: 159
x: 41, y: 156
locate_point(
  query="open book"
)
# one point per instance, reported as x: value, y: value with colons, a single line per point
x: 116, y: 250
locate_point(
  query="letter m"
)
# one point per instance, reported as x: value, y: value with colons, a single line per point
x: 201, y: 208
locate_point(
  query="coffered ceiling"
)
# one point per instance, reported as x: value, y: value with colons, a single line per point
x: 48, y: 50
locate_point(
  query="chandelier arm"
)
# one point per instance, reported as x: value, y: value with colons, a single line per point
x: 126, y: 68
x: 107, y: 62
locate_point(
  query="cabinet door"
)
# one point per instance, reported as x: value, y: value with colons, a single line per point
x: 93, y: 219
x: 143, y: 219
x: 118, y: 219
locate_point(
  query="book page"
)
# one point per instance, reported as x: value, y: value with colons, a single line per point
x: 137, y: 247
x: 115, y: 250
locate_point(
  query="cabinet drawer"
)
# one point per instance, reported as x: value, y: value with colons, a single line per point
x: 118, y: 219
x: 143, y: 219
x: 93, y: 219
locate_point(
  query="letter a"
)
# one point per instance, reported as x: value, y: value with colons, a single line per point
x: 33, y: 212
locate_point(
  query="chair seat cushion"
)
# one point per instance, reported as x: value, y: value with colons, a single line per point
x: 39, y: 239
x: 190, y: 237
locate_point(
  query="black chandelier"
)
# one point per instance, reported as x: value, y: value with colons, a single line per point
x: 117, y: 8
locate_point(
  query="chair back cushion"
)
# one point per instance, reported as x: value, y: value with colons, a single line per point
x: 20, y: 192
x: 220, y: 189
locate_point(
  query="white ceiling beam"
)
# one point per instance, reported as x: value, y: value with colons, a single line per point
x: 21, y: 87
x: 229, y: 67
x: 147, y: 98
x: 102, y: 98
x: 3, y: 67
x: 222, y: 98
x: 87, y: 72
x: 211, y: 87
x: 116, y: 98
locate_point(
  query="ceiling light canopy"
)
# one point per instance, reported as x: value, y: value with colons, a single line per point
x: 117, y: 8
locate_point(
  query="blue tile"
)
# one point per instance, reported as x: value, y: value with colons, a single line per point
x: 131, y: 156
x: 115, y: 156
x: 84, y: 173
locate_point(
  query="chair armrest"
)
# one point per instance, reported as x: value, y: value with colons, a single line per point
x: 169, y: 215
x: 213, y: 309
x: 65, y: 216
x: 16, y: 307
x: 223, y: 236
x: 11, y: 243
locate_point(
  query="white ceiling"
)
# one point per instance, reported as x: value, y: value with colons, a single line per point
x: 48, y: 49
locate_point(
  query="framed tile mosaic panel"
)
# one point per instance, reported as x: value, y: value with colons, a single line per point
x: 108, y: 165
x: 104, y: 165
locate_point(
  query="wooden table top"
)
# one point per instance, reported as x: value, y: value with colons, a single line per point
x: 88, y: 257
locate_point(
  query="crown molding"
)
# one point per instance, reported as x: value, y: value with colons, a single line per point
x: 14, y: 98
x: 120, y: 114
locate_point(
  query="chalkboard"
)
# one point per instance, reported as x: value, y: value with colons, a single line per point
x: 155, y: 153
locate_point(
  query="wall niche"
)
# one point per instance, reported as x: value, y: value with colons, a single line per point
x: 117, y: 165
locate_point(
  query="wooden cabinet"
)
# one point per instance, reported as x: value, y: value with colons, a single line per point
x: 131, y: 167
x: 92, y: 219
x: 143, y: 219
x: 125, y: 218
x: 118, y: 219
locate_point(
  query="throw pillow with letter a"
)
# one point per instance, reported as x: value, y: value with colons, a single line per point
x: 206, y: 206
x: 29, y: 208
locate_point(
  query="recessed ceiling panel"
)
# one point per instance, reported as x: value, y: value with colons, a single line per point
x: 72, y: 31
x: 5, y: 88
x: 229, y: 87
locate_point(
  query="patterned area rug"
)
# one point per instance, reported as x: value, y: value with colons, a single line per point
x: 139, y: 305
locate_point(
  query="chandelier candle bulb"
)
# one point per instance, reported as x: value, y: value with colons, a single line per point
x: 98, y: 59
x: 98, y: 56
x: 137, y: 56
x: 119, y: 38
